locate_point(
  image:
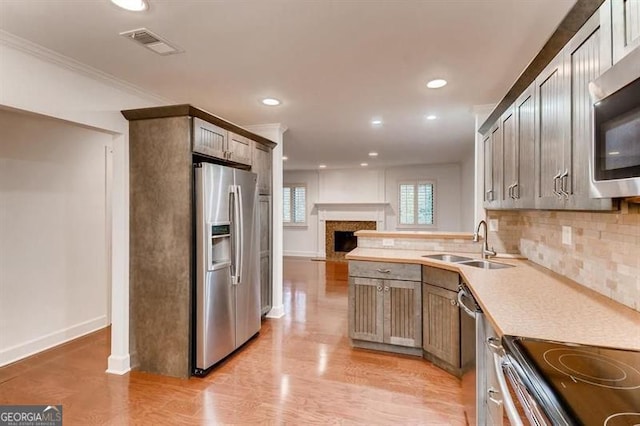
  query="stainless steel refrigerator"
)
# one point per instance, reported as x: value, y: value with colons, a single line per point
x: 227, y: 295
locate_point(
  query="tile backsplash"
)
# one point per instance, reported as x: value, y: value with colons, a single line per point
x: 603, y: 252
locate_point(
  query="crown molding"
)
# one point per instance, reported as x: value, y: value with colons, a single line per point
x: 48, y: 55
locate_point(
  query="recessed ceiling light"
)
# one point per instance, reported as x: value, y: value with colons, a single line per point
x: 364, y: 164
x: 437, y: 83
x: 271, y: 101
x: 133, y: 5
x: 285, y: 158
x: 322, y: 166
x: 431, y: 117
x: 373, y: 154
x: 376, y: 122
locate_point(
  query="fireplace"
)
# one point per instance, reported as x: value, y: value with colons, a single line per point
x: 339, y: 238
x: 344, y: 241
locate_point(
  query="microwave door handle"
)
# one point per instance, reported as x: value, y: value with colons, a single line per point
x: 239, y: 220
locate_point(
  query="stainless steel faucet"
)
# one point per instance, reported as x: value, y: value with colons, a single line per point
x: 485, y: 248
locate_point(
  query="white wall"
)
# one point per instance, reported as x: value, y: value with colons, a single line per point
x: 468, y: 195
x: 53, y: 233
x: 303, y: 240
x: 37, y: 80
x: 353, y: 186
x: 447, y: 193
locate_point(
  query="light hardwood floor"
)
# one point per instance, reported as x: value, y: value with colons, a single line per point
x: 300, y: 370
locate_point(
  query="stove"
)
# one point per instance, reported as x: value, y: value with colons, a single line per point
x: 577, y: 384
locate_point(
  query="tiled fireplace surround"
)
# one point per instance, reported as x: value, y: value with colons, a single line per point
x: 604, y: 253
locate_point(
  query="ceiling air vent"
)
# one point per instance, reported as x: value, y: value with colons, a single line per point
x: 151, y: 41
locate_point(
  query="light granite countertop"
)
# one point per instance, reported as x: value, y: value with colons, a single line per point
x: 531, y: 301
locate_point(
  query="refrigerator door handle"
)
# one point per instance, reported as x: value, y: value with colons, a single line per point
x: 234, y: 241
x: 239, y: 220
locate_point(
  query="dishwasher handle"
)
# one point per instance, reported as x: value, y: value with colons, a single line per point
x: 462, y: 293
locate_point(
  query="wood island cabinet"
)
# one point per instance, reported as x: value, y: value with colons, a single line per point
x: 444, y: 325
x: 385, y: 306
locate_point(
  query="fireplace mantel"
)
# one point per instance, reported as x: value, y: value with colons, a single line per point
x: 346, y: 211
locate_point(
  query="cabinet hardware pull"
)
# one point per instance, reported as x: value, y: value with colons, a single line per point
x: 509, y: 188
x: 453, y: 302
x: 516, y: 191
x: 383, y: 271
x: 563, y: 184
x: 379, y: 288
x: 555, y: 185
x: 489, y: 194
x: 491, y: 394
x: 386, y: 288
x: 494, y: 344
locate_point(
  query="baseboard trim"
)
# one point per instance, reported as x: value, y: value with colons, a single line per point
x: 276, y: 312
x: 118, y: 365
x: 48, y: 341
x: 300, y: 254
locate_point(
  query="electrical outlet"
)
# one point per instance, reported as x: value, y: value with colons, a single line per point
x: 388, y: 242
x: 493, y: 225
x: 566, y: 235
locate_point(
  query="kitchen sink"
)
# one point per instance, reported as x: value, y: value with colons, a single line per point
x: 447, y: 257
x: 486, y: 264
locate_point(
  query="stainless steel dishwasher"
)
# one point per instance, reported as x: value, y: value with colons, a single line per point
x: 470, y: 377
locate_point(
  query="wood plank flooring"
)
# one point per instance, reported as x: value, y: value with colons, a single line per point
x: 300, y: 370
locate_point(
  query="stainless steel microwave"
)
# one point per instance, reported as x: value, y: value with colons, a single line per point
x: 615, y: 149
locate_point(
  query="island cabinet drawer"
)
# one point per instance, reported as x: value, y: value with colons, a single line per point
x: 440, y: 278
x: 384, y: 270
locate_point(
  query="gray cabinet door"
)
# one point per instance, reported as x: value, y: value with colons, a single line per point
x: 366, y: 304
x: 240, y: 149
x: 265, y: 254
x: 497, y: 164
x: 441, y: 324
x: 489, y: 194
x: 582, y: 65
x: 525, y: 149
x: 626, y: 27
x: 402, y: 313
x: 509, y: 158
x: 552, y: 138
x: 262, y: 167
x: 209, y: 139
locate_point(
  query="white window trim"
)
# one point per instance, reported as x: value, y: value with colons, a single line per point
x: 306, y: 206
x: 416, y: 182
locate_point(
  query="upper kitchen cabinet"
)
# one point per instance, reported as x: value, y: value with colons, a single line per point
x: 522, y: 189
x: 509, y: 156
x: 240, y: 149
x: 488, y: 171
x: 214, y: 141
x: 262, y: 167
x: 625, y: 16
x: 493, y: 163
x: 586, y: 56
x: 209, y: 139
x: 553, y: 150
x: 509, y: 160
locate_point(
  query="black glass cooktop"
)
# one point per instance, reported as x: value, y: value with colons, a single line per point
x: 582, y: 385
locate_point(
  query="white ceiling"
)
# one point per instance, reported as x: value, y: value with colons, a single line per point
x: 335, y: 64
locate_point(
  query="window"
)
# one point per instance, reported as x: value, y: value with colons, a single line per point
x: 294, y: 204
x: 416, y: 203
